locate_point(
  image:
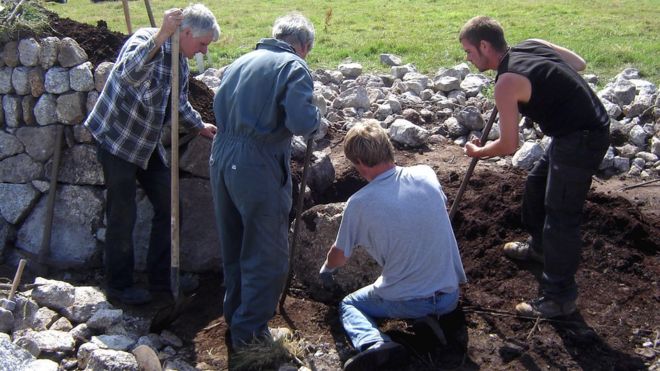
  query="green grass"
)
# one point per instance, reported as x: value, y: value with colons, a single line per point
x: 610, y: 34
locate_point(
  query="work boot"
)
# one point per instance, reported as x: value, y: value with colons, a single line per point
x: 520, y: 250
x: 376, y: 357
x: 545, y: 308
x: 131, y: 295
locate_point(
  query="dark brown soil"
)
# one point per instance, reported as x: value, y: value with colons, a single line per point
x: 618, y: 278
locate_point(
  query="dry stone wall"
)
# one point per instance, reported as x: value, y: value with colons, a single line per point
x: 49, y: 82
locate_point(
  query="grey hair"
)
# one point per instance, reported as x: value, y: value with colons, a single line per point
x: 201, y: 21
x: 294, y: 28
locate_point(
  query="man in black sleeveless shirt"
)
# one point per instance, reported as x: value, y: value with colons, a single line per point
x: 539, y: 80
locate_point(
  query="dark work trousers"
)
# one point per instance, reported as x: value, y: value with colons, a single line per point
x: 555, y: 192
x: 121, y: 213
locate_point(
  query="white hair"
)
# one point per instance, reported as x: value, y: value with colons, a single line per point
x: 201, y: 21
x: 294, y: 28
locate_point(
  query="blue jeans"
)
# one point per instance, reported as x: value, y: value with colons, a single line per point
x: 555, y: 193
x: 358, y: 310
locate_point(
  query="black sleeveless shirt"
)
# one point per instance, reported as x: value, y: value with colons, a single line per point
x: 561, y: 102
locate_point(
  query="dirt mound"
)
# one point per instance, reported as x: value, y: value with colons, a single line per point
x: 617, y: 279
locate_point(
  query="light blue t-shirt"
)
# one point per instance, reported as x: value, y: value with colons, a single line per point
x: 400, y: 218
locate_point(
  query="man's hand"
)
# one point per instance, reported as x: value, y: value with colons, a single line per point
x: 208, y: 130
x: 171, y: 21
x: 472, y: 148
x: 327, y: 277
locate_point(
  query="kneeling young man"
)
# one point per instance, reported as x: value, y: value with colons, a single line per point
x: 400, y: 218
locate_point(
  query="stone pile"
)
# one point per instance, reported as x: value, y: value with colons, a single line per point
x: 56, y: 326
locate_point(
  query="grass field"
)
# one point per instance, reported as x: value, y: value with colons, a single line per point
x: 610, y: 34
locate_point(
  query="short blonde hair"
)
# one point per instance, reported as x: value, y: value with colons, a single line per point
x: 368, y: 144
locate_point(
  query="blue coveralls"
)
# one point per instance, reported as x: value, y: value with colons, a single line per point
x: 264, y: 99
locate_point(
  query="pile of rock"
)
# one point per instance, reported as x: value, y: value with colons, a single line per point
x: 56, y: 326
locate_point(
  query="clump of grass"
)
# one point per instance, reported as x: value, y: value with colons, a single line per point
x: 269, y: 354
x: 26, y: 17
x: 327, y: 20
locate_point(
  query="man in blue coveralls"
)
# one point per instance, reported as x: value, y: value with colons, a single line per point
x: 264, y: 99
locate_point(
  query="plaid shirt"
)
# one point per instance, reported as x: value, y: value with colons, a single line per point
x: 132, y: 109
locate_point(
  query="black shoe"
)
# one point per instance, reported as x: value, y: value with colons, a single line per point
x: 389, y: 354
x: 187, y: 284
x: 431, y: 324
x: 130, y: 295
x: 546, y: 308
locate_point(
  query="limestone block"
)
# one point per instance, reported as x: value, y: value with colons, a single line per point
x: 37, y: 81
x: 101, y: 75
x: 11, y: 104
x: 10, y: 54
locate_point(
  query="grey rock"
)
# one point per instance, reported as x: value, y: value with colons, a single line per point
x: 70, y: 53
x: 169, y: 338
x: 13, y: 357
x: 655, y: 145
x: 350, y: 70
x: 57, y: 80
x: 199, y: 250
x: 390, y: 60
x: 446, y: 83
x: 114, y: 342
x: 151, y: 340
x: 111, y: 360
x: 644, y: 87
x: 87, y: 301
x: 81, y: 333
x: 53, y: 294
x: 405, y: 132
x: 16, y: 200
x: 622, y: 164
x: 101, y: 74
x: 355, y: 97
x: 10, y: 54
x: 84, y: 352
x: 628, y: 150
x: 45, y: 111
x: 613, y: 110
x: 319, y: 101
x: 39, y: 142
x: 71, y: 108
x: 77, y: 213
x: 81, y: 77
x: 624, y: 92
x: 24, y: 313
x: 62, y: 324
x: 471, y: 118
x: 195, y: 159
x: 105, y: 318
x: 13, y: 110
x: 454, y: 128
x: 92, y: 98
x: 80, y: 166
x: 641, y: 105
x: 27, y: 106
x: 49, y: 50
x: 9, y: 145
x: 44, y: 318
x: 473, y: 84
x: 28, y: 51
x: 400, y: 71
x: 19, y: 169
x: 19, y: 80
x: 6, y: 320
x: 43, y: 365
x: 527, y: 155
x: 50, y: 341
x: 6, y: 86
x: 638, y: 136
x: 322, y: 172
x: 319, y: 230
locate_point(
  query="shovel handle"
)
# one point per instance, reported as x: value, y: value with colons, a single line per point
x: 17, y: 279
x: 473, y: 163
x: 174, y: 195
x: 147, y: 4
x: 127, y: 16
x: 296, y: 224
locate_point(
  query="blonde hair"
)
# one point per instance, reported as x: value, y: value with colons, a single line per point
x: 368, y: 143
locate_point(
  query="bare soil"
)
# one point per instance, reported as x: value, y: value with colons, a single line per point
x: 618, y: 278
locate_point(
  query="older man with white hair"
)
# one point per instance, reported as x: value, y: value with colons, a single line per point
x: 264, y: 99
